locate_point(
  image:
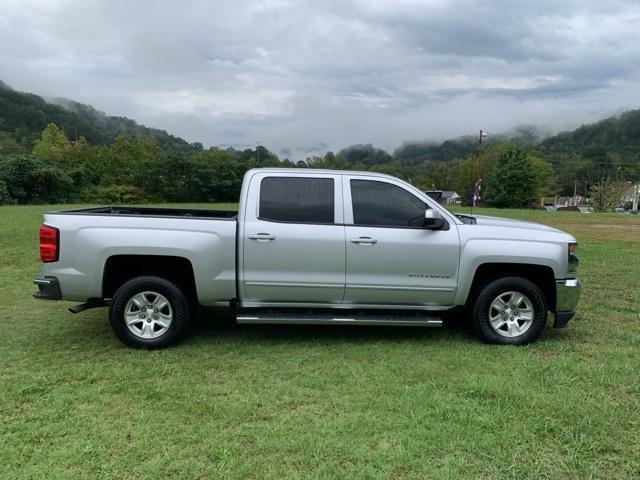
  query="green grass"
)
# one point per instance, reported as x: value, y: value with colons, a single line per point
x: 270, y: 402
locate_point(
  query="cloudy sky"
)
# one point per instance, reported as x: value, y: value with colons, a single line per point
x: 303, y: 76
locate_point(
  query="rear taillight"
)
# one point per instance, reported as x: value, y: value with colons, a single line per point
x: 49, y: 244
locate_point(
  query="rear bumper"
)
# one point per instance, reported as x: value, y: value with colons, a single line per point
x: 567, y: 297
x: 48, y: 288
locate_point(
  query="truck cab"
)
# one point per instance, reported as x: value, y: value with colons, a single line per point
x: 344, y: 239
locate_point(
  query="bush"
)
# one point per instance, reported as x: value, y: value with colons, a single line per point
x: 4, y: 193
x: 30, y: 180
x: 115, y: 194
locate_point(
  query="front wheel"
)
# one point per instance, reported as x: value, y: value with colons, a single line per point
x: 509, y: 310
x: 149, y: 312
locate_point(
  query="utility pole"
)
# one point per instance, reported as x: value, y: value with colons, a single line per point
x: 258, y: 151
x: 476, y: 172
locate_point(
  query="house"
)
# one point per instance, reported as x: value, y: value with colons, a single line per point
x: 450, y: 198
x: 445, y: 197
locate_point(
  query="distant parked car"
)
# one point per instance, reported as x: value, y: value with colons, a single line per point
x: 585, y: 209
x: 572, y: 208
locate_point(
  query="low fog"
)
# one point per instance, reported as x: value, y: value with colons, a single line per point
x: 304, y: 77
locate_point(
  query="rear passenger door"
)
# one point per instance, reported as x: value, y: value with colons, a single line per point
x: 293, y: 240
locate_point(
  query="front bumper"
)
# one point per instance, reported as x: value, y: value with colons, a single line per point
x: 567, y: 297
x: 48, y: 288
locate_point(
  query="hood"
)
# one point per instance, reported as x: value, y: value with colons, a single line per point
x: 486, y: 220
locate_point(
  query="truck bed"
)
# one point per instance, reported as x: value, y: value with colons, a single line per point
x: 133, y: 211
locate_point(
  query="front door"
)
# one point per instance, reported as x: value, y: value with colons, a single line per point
x: 293, y: 242
x: 391, y: 258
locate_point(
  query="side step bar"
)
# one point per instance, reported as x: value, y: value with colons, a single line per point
x: 91, y: 303
x: 310, y: 318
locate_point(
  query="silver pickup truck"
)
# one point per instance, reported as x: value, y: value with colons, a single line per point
x: 310, y: 247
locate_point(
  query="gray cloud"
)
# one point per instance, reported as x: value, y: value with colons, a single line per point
x: 305, y: 76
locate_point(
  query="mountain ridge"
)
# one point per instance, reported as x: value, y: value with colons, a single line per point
x: 24, y: 115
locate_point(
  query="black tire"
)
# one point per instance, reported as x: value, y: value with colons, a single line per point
x: 178, y: 311
x: 482, y: 308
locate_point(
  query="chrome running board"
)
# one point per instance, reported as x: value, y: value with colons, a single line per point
x: 311, y: 318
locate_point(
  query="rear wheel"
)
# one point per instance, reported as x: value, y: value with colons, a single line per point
x: 509, y: 310
x: 149, y: 312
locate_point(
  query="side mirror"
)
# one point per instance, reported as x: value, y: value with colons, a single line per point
x: 432, y: 220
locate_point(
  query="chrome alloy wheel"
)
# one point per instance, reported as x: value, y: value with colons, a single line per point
x: 148, y: 314
x: 511, y: 314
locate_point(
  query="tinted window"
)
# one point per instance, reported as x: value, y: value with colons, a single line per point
x: 304, y: 200
x: 384, y: 204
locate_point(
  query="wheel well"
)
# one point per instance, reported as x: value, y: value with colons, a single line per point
x: 121, y: 268
x: 543, y: 277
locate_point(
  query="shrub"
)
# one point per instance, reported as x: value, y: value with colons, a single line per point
x: 30, y: 180
x: 4, y: 193
x: 115, y: 194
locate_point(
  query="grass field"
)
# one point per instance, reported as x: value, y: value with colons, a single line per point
x: 271, y: 402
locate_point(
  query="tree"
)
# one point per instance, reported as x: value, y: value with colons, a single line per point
x: 364, y: 154
x: 543, y: 175
x: 470, y: 169
x: 393, y: 167
x: 330, y: 161
x: 52, y: 146
x: 573, y: 173
x: 510, y: 181
x: 444, y: 175
x: 9, y: 145
x: 217, y: 176
x: 606, y: 193
x: 129, y: 161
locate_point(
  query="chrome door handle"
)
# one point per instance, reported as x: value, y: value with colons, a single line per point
x: 364, y: 240
x: 262, y: 237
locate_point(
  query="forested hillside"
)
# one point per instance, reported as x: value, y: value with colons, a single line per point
x: 23, y: 116
x: 610, y: 145
x: 618, y: 135
x: 67, y: 151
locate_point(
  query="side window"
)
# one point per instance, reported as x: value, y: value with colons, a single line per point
x: 383, y: 204
x: 297, y: 199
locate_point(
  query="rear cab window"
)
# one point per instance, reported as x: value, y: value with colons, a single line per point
x: 297, y: 200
